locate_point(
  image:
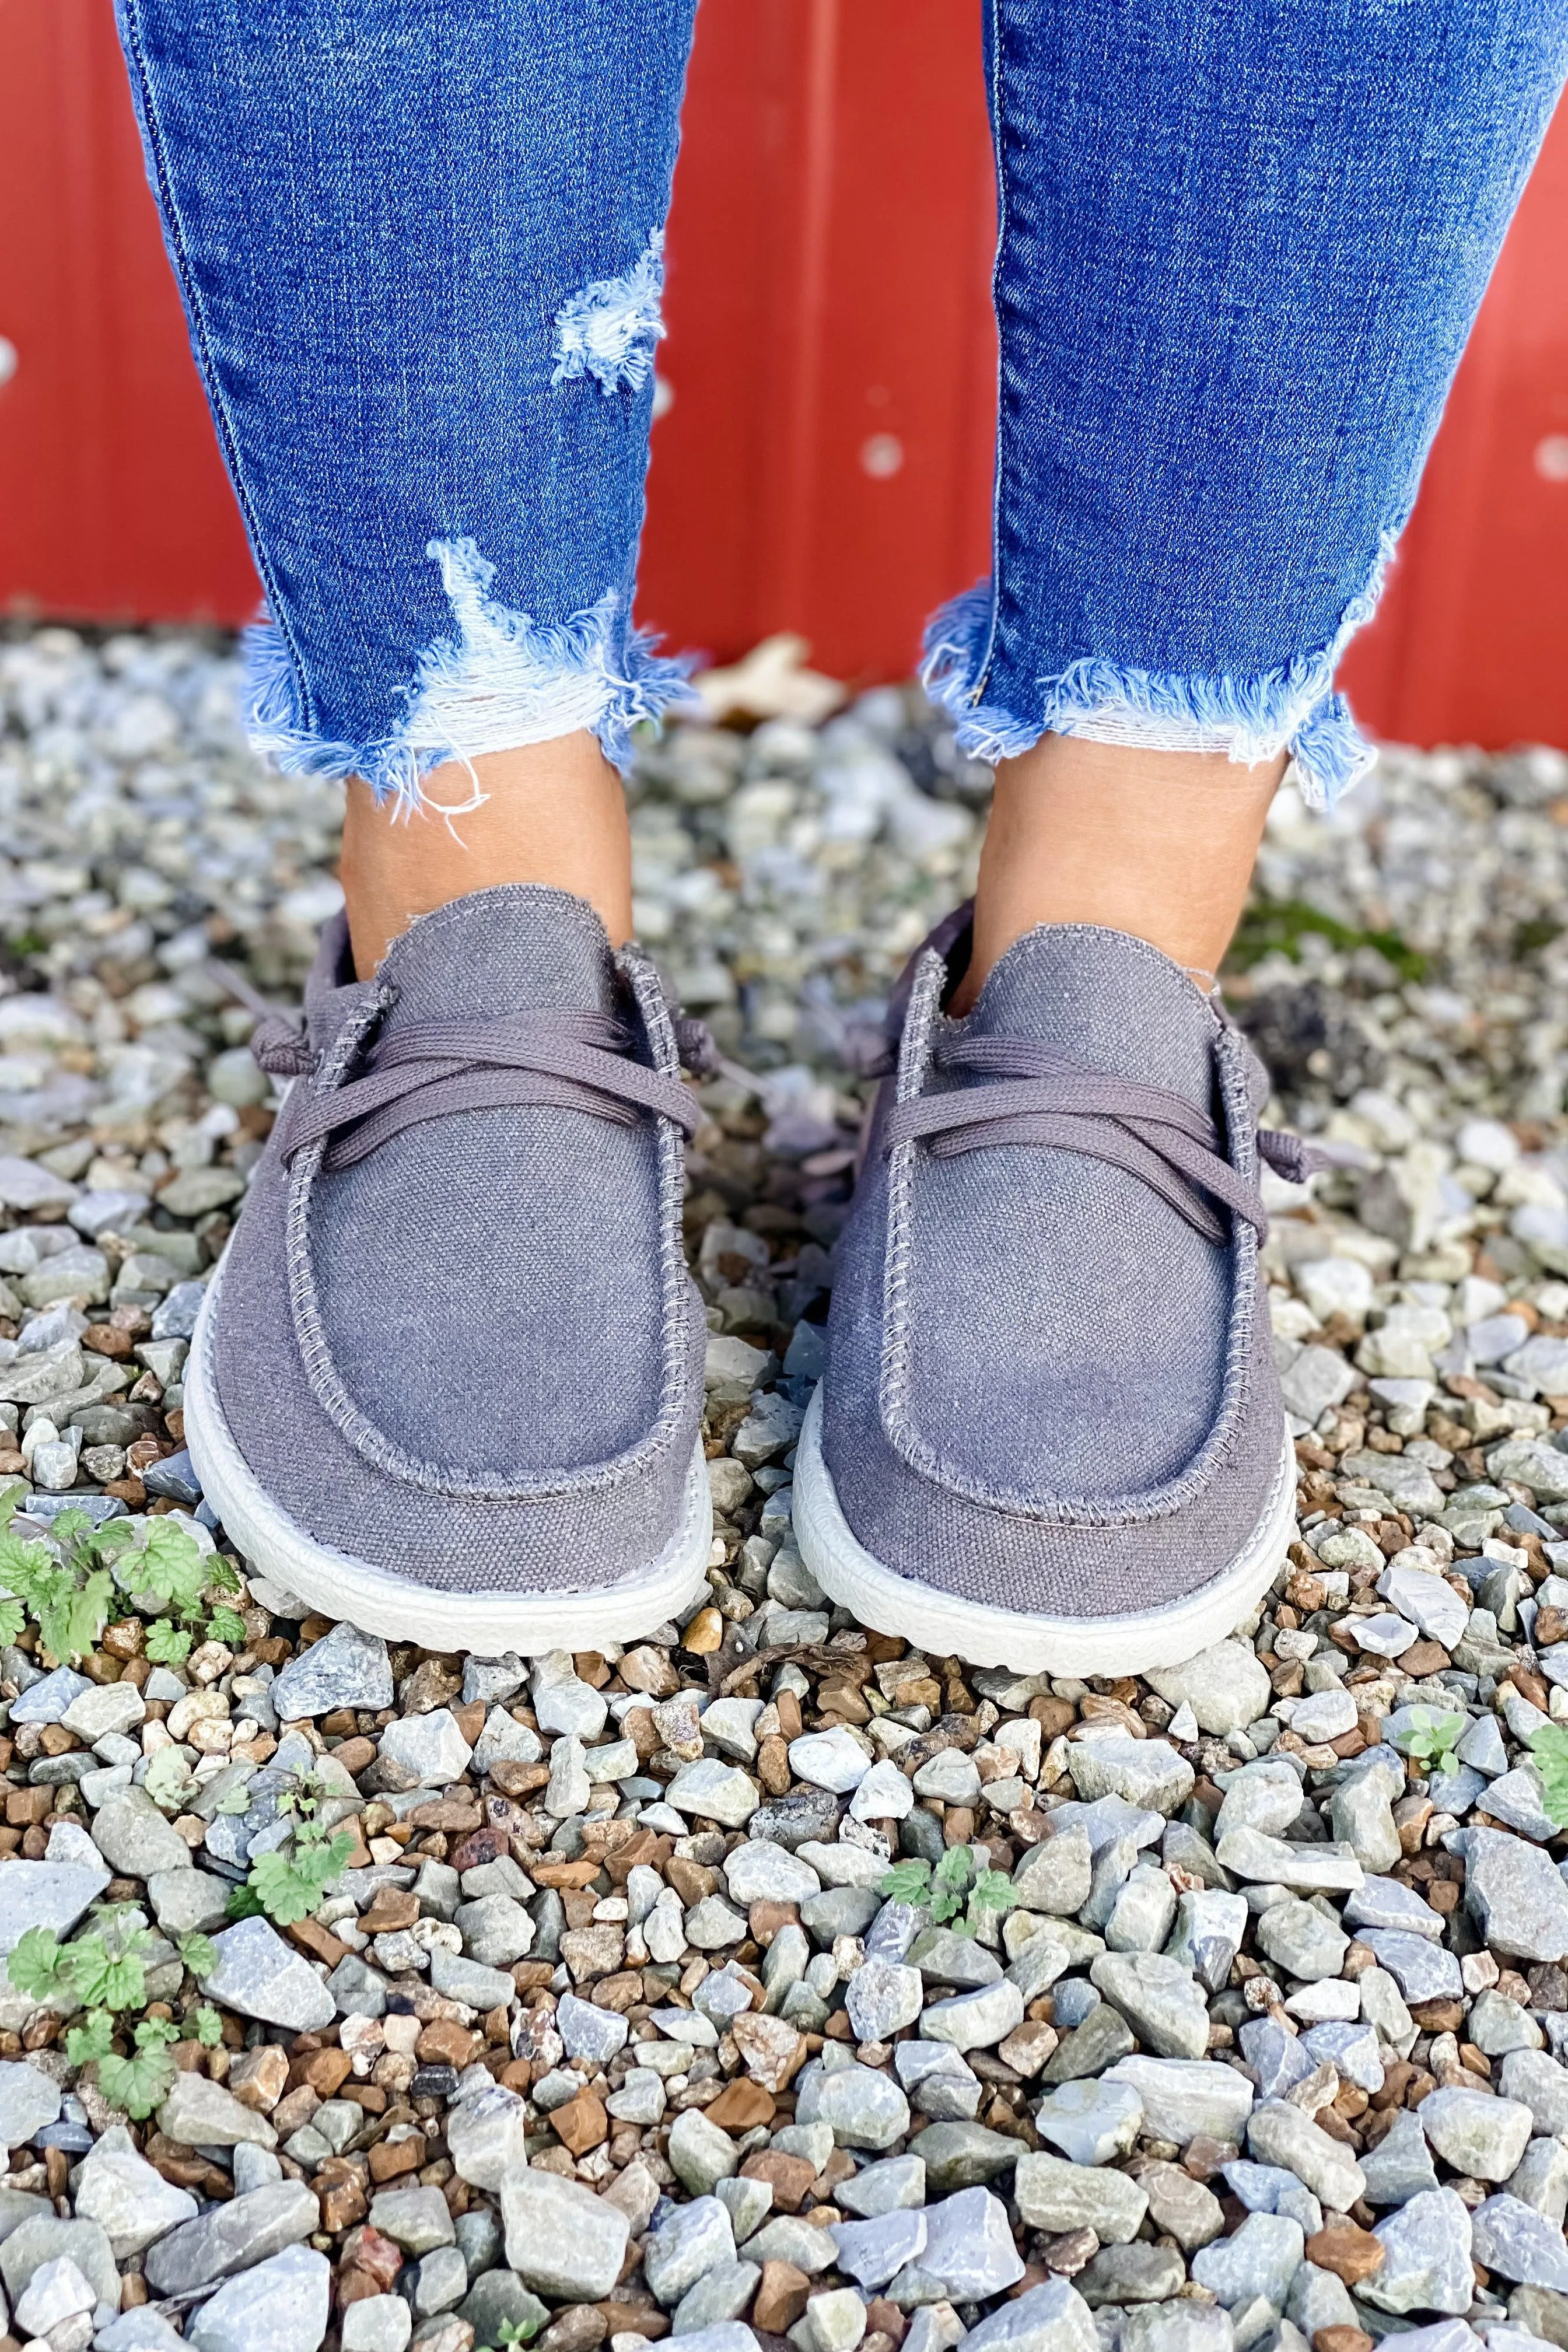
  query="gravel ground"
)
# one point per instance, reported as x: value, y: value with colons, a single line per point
x: 609, y: 2025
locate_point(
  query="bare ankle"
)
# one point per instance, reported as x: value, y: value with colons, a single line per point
x: 1158, y: 843
x: 552, y: 813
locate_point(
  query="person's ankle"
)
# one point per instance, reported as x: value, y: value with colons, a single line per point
x: 550, y: 812
x: 1159, y: 845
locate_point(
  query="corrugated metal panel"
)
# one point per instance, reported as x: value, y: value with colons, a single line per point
x: 825, y: 462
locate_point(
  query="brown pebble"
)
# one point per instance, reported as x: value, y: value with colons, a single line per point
x: 704, y: 1634
x: 772, y: 1765
x: 582, y: 2123
x: 740, y: 2106
x: 1350, y: 2253
x: 581, y: 2327
x: 445, y: 2042
x: 390, y: 2160
x: 1342, y: 2339
x: 342, y: 2202
x: 791, y: 2177
x: 781, y: 2298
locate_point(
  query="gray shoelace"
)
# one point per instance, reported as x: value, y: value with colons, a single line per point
x: 429, y: 1069
x: 1034, y: 1094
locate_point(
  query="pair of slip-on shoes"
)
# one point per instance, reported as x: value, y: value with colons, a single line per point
x: 447, y: 1381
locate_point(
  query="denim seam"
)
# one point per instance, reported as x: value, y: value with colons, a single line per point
x: 1292, y: 706
x: 999, y: 170
x: 315, y: 1349
x: 174, y: 238
x: 502, y: 679
x: 894, y: 1400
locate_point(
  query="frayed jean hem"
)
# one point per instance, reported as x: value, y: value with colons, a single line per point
x: 504, y: 680
x: 1293, y: 707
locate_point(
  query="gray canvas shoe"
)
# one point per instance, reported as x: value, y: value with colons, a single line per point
x: 1050, y: 1433
x: 448, y: 1382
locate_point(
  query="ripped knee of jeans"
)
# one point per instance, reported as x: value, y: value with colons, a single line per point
x: 608, y: 330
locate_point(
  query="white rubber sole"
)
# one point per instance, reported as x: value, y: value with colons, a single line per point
x: 488, y: 1622
x: 946, y: 1626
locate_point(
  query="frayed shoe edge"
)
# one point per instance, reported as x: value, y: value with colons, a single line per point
x: 503, y: 680
x: 1292, y: 708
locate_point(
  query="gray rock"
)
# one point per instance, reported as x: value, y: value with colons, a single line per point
x: 761, y: 1872
x: 1183, y: 2099
x: 882, y: 1997
x: 1273, y: 1862
x: 714, y: 1791
x: 415, y: 2219
x: 104, y: 1707
x: 1519, y: 2244
x: 233, y: 2237
x: 430, y: 1746
x: 1176, y: 2326
x: 262, y: 1977
x: 43, y: 2238
x: 1050, y: 2319
x: 498, y: 2298
x: 897, y: 2181
x: 281, y: 2306
x: 944, y: 1957
x: 189, y: 1901
x: 1319, y: 2298
x: 719, y: 2298
x: 496, y: 1930
x: 1209, y: 1932
x: 1135, y: 2273
x: 484, y: 2134
x: 376, y: 2322
x: 1260, y: 2259
x: 1274, y: 2058
x: 140, y: 2329
x: 134, y: 1839
x: 1427, y: 2246
x: 1476, y: 2131
x: 975, y: 2021
x: 864, y: 2106
x: 944, y: 2087
x: 1541, y: 2083
x: 1225, y: 1686
x: 1090, y: 2121
x: 1145, y: 1772
x: 132, y: 2204
x: 1180, y: 2205
x: 696, y: 2238
x: 1163, y: 2002
x: 1540, y: 2179
x: 1280, y: 2133
x: 344, y: 1668
x: 1515, y: 1895
x: 200, y: 2113
x: 969, y: 2246
x: 28, y: 2100
x: 51, y: 1894
x: 461, y: 1979
x: 1422, y: 1971
x: 1351, y: 2047
x: 871, y: 2251
x: 1387, y: 1902
x: 961, y: 2154
x: 1054, y: 1876
x: 701, y: 2154
x: 1054, y: 2195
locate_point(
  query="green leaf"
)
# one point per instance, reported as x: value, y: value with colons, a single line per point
x: 199, y: 1954
x: 156, y: 2033
x: 1549, y: 1746
x: 243, y: 1903
x: 171, y: 1567
x: 945, y: 1905
x: 993, y: 1892
x: 955, y: 1869
x: 107, y: 1979
x: 13, y: 1617
x: 93, y: 2040
x: 138, y: 2084
x: 228, y: 1626
x: 36, y: 1965
x: 166, y: 1644
x: 289, y: 1888
x: 205, y: 2026
x: 908, y: 1882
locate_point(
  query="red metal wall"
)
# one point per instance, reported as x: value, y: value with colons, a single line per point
x: 825, y: 461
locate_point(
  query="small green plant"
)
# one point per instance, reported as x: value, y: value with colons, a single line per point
x: 143, y: 2081
x: 1549, y: 1746
x: 172, y: 1569
x: 290, y: 1887
x: 1279, y: 925
x: 516, y: 2331
x: 228, y: 1626
x: 1434, y: 1735
x: 954, y: 1886
x: 105, y: 1970
x: 61, y: 1585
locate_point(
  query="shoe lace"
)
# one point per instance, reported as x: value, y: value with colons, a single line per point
x: 429, y: 1069
x: 1035, y: 1094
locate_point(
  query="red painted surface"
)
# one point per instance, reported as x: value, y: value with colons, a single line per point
x: 824, y: 464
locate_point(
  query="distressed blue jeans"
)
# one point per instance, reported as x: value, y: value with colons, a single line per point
x: 419, y: 244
